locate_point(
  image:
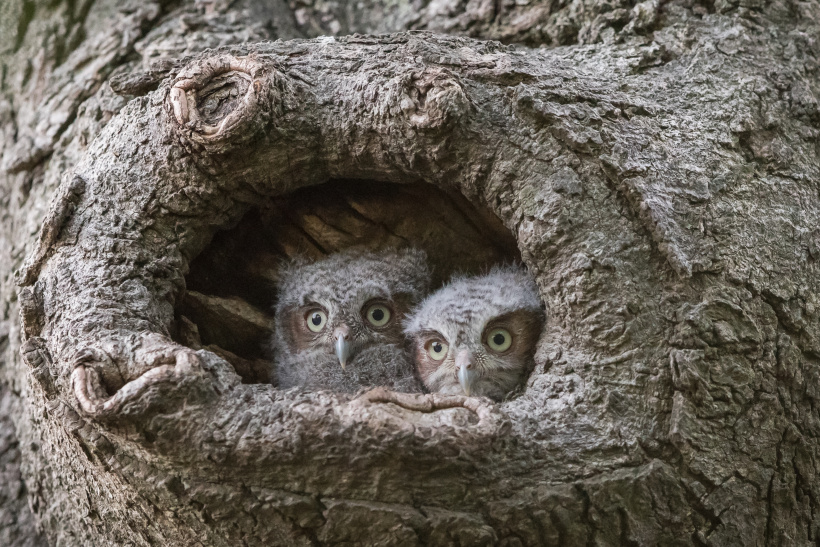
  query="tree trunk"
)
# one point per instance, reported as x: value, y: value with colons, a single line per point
x: 656, y: 171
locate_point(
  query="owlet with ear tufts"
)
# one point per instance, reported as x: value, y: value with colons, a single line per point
x: 339, y: 320
x: 477, y: 335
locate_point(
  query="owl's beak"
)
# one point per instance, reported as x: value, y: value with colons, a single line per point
x: 343, y: 345
x: 467, y: 374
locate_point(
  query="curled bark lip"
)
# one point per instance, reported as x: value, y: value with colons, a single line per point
x: 491, y: 421
x: 89, y: 391
x: 94, y: 401
x: 487, y: 412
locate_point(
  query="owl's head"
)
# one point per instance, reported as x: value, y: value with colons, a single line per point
x: 349, y: 301
x: 477, y: 335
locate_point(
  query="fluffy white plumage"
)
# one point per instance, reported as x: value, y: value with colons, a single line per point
x: 477, y: 335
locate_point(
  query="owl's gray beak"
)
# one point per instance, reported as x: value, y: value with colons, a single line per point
x: 343, y: 346
x: 467, y: 374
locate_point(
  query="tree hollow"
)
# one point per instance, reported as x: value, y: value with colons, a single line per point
x: 231, y: 286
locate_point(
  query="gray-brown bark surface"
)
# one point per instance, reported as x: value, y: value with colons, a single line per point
x: 660, y: 180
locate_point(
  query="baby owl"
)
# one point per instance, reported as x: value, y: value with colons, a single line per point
x: 339, y: 320
x: 477, y: 335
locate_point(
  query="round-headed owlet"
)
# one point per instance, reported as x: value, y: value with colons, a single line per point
x: 477, y: 335
x: 339, y: 320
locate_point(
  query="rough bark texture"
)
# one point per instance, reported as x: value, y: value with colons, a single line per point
x: 659, y: 176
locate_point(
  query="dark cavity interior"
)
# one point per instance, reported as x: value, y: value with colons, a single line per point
x: 232, y: 283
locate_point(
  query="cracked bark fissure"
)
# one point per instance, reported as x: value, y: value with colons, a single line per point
x: 660, y: 179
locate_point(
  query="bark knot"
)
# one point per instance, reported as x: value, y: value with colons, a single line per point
x: 433, y: 98
x: 220, y: 98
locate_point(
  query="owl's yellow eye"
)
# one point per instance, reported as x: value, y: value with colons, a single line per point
x: 437, y: 349
x: 378, y: 315
x: 316, y: 320
x: 499, y: 340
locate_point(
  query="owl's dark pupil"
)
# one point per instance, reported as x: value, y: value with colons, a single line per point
x: 316, y: 319
x: 437, y: 347
x: 378, y: 315
x: 499, y: 339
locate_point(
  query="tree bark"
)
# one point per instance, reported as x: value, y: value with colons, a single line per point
x: 657, y: 171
